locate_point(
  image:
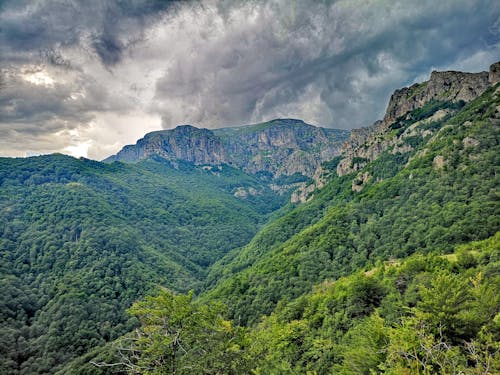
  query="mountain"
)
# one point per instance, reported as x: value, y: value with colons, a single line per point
x: 448, y: 90
x: 423, y: 183
x: 81, y: 240
x: 390, y: 266
x: 278, y: 147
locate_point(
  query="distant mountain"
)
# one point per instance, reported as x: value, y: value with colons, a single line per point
x: 278, y: 147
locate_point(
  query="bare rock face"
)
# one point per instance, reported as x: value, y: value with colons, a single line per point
x: 280, y: 147
x: 359, y: 182
x: 199, y: 146
x: 438, y: 162
x: 494, y: 74
x: 450, y: 86
x: 366, y: 144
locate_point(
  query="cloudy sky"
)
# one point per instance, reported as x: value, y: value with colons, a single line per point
x: 87, y: 77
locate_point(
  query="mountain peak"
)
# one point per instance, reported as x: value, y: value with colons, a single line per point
x: 279, y: 146
x: 450, y: 87
x: 442, y: 85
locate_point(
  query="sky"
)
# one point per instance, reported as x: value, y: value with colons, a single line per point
x: 86, y: 77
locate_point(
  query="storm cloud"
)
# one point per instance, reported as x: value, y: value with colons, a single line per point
x: 88, y: 77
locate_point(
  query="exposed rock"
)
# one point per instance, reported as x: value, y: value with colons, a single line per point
x: 368, y: 143
x: 303, y: 193
x: 358, y: 183
x: 470, y: 142
x: 241, y: 192
x: 450, y: 85
x: 438, y: 162
x: 494, y: 73
x: 185, y: 142
x: 401, y: 149
x: 281, y: 147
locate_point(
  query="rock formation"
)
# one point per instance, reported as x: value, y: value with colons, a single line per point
x: 366, y: 144
x: 279, y: 147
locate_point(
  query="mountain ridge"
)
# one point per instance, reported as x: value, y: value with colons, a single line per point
x: 365, y: 144
x: 279, y: 147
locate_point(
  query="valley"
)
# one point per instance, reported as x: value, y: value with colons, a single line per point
x: 273, y: 248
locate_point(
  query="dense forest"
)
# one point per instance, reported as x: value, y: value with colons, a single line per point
x: 426, y: 314
x: 81, y: 240
x: 160, y: 267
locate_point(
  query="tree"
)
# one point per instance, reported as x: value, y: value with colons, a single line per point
x: 178, y: 336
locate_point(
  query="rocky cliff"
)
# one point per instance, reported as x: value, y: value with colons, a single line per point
x: 366, y: 144
x: 279, y: 147
x: 185, y: 142
x: 450, y: 85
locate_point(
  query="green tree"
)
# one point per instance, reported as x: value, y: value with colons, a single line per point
x: 445, y: 303
x: 177, y: 336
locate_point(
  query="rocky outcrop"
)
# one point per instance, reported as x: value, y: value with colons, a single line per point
x: 199, y: 146
x: 494, y: 73
x: 359, y: 182
x: 280, y: 147
x: 304, y: 191
x: 450, y: 86
x: 366, y: 144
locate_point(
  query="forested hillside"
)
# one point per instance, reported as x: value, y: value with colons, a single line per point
x: 81, y: 240
x: 391, y: 267
x: 440, y: 192
x: 426, y: 314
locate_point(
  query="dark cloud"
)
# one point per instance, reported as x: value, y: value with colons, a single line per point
x: 47, y: 25
x: 77, y: 68
x: 353, y: 54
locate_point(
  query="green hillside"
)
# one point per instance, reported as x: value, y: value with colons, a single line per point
x: 410, y: 204
x: 426, y: 314
x: 379, y: 272
x: 81, y: 240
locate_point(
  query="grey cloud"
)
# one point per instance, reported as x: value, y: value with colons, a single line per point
x: 248, y: 73
x: 51, y: 25
x: 216, y: 63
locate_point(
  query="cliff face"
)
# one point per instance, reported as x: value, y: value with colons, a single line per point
x: 366, y: 144
x: 449, y: 86
x: 280, y: 147
x: 199, y: 146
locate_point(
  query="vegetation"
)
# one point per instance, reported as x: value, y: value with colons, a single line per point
x: 399, y: 278
x: 407, y: 206
x: 427, y: 315
x: 424, y: 315
x: 80, y: 241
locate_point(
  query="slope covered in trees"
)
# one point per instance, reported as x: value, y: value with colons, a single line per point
x: 440, y: 192
x: 427, y: 314
x: 81, y: 240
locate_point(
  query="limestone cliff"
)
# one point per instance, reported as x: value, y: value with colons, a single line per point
x: 366, y: 144
x: 279, y: 147
x: 185, y: 142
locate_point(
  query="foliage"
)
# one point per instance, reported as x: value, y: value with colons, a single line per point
x: 408, y: 205
x: 81, y: 240
x: 177, y: 336
x: 342, y: 327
